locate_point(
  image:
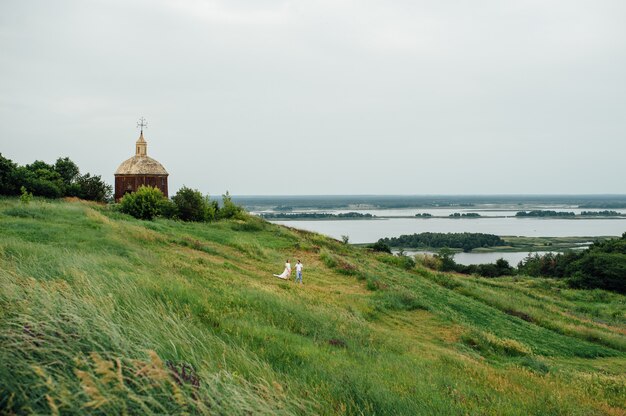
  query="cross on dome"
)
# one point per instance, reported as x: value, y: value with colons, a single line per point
x: 142, y: 123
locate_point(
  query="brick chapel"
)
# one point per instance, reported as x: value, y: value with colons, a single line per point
x: 140, y: 170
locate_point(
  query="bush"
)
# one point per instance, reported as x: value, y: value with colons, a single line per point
x: 26, y: 196
x: 429, y: 261
x: 229, y: 209
x: 92, y: 188
x: 380, y: 246
x: 193, y: 206
x: 168, y: 209
x: 52, y: 181
x: 7, y: 177
x: 144, y: 204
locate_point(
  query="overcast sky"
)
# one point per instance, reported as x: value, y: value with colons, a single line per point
x: 324, y: 97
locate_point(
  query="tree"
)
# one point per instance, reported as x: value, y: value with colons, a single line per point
x: 447, y: 259
x: 192, y: 205
x: 381, y: 247
x: 92, y: 188
x: 67, y: 170
x: 8, y: 184
x: 143, y: 204
x: 229, y: 209
x: 41, y: 179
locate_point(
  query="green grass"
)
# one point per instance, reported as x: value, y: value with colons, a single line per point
x: 104, y: 314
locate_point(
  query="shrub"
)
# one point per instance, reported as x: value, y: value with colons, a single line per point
x: 7, y: 176
x: 192, y: 205
x: 144, y: 204
x: 26, y: 196
x: 229, y: 209
x: 168, y: 209
x: 92, y: 188
x: 380, y: 246
x: 429, y: 261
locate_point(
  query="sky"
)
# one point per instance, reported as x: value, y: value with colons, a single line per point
x: 324, y: 97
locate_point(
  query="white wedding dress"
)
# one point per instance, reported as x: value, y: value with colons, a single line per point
x: 286, y: 273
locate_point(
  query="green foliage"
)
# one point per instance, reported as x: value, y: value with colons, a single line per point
x: 102, y: 315
x: 429, y: 261
x: 26, y: 196
x: 7, y: 177
x: 602, y: 265
x: 380, y: 247
x: 67, y: 170
x: 193, y: 206
x: 400, y: 260
x: 465, y: 215
x: 605, y: 213
x: 145, y: 204
x: 446, y: 259
x: 314, y: 215
x: 92, y: 188
x: 52, y: 181
x: 229, y: 209
x: 465, y: 241
x: 445, y: 262
x: 41, y: 179
x: 168, y: 209
x: 544, y: 213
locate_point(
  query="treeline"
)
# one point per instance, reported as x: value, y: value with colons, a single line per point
x: 313, y: 215
x: 424, y: 215
x: 602, y: 265
x: 61, y: 179
x: 465, y: 241
x: 605, y: 213
x: 544, y: 213
x: 464, y: 215
x: 187, y: 205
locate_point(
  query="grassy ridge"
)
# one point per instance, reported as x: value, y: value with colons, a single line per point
x: 104, y: 314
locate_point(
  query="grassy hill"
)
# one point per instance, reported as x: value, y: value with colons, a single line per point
x: 104, y: 314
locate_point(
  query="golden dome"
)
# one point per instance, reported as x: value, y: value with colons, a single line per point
x: 141, y: 165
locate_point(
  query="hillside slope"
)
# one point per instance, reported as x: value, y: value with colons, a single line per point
x: 104, y: 314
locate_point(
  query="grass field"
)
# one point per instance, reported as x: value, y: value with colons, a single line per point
x: 104, y: 314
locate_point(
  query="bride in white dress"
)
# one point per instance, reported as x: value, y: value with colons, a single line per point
x: 286, y: 273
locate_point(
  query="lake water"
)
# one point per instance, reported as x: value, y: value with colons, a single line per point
x: 483, y: 210
x: 369, y: 231
x: 482, y: 258
x: 498, y: 220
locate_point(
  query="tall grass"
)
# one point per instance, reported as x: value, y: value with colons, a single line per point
x: 104, y: 314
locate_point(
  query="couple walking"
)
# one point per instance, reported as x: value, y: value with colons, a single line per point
x: 287, y: 272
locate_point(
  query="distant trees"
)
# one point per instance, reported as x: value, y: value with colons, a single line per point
x: 464, y: 215
x: 602, y: 265
x: 605, y: 213
x: 380, y: 246
x: 51, y: 181
x: 314, y: 215
x: 544, y: 213
x: 465, y: 241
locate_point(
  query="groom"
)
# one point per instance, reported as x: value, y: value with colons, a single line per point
x: 299, y: 272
